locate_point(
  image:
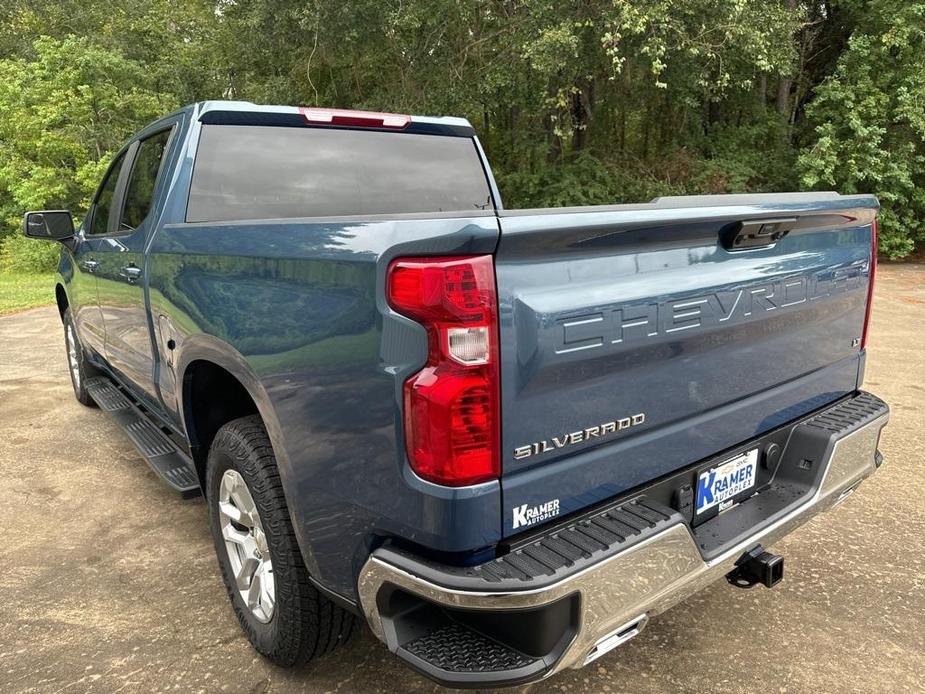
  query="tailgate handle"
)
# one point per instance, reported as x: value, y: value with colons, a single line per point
x: 756, y: 233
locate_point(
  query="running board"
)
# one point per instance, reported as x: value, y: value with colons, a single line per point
x: 171, y: 464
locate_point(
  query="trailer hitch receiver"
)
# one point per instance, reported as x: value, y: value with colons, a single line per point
x: 757, y: 566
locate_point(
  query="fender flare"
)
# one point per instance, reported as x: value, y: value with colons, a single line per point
x: 204, y: 347
x: 63, y: 275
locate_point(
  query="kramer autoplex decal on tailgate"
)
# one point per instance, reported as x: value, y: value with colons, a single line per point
x: 619, y: 325
x: 525, y: 515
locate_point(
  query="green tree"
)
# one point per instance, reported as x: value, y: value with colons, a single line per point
x: 868, y: 119
x: 62, y: 116
x: 583, y: 102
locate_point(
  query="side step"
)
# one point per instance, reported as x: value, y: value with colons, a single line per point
x: 171, y: 464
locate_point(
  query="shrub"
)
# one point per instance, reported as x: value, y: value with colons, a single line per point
x: 23, y: 255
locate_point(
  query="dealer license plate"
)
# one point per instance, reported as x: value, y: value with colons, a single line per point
x: 719, y: 485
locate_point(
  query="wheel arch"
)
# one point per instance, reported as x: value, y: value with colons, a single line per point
x: 61, y: 300
x: 217, y: 385
x: 212, y: 397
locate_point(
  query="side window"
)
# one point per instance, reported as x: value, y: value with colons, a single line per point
x: 103, y: 205
x: 140, y: 191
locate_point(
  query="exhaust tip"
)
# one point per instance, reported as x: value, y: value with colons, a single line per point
x: 615, y: 638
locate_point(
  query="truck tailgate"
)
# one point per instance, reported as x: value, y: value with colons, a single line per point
x: 639, y: 339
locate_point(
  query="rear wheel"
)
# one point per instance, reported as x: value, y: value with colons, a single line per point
x: 77, y: 365
x: 283, y: 615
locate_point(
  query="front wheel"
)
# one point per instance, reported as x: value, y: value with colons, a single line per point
x: 283, y: 615
x: 77, y: 365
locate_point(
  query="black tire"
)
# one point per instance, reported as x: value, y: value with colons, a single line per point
x: 304, y: 623
x: 77, y: 362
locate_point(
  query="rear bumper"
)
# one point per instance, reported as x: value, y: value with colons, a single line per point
x: 591, y: 584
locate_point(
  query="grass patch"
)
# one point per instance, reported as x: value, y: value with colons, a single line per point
x: 22, y: 291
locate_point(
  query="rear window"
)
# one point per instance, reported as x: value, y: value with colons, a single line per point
x: 263, y: 172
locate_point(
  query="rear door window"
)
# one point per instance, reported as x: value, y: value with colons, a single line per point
x: 140, y: 192
x: 265, y: 172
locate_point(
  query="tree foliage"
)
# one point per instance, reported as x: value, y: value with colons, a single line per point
x: 868, y: 120
x: 64, y: 113
x: 593, y: 101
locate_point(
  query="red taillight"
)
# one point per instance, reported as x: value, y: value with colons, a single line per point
x: 363, y: 119
x: 870, y: 288
x: 452, y: 425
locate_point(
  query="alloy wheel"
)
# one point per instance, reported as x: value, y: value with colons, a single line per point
x: 246, y: 544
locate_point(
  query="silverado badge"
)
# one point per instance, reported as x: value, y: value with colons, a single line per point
x: 568, y: 439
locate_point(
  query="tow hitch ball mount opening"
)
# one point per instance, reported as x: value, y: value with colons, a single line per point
x: 757, y: 566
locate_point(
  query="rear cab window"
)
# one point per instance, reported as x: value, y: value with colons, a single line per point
x: 269, y: 172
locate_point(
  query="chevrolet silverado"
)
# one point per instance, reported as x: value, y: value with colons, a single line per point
x: 504, y: 439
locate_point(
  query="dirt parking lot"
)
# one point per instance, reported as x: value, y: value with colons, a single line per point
x: 109, y: 582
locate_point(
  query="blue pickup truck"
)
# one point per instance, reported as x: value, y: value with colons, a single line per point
x: 504, y: 439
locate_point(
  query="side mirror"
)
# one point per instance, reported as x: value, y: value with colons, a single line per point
x: 49, y: 225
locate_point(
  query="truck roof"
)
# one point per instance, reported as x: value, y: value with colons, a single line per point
x: 249, y: 113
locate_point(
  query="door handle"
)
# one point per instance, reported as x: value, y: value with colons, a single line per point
x: 131, y: 273
x: 89, y: 265
x: 756, y: 233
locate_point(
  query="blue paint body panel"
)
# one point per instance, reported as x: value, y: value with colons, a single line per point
x: 605, y: 313
x: 298, y: 306
x: 627, y: 312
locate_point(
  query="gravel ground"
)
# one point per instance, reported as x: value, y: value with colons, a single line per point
x: 110, y: 582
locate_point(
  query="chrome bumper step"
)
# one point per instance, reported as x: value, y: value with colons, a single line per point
x: 600, y: 577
